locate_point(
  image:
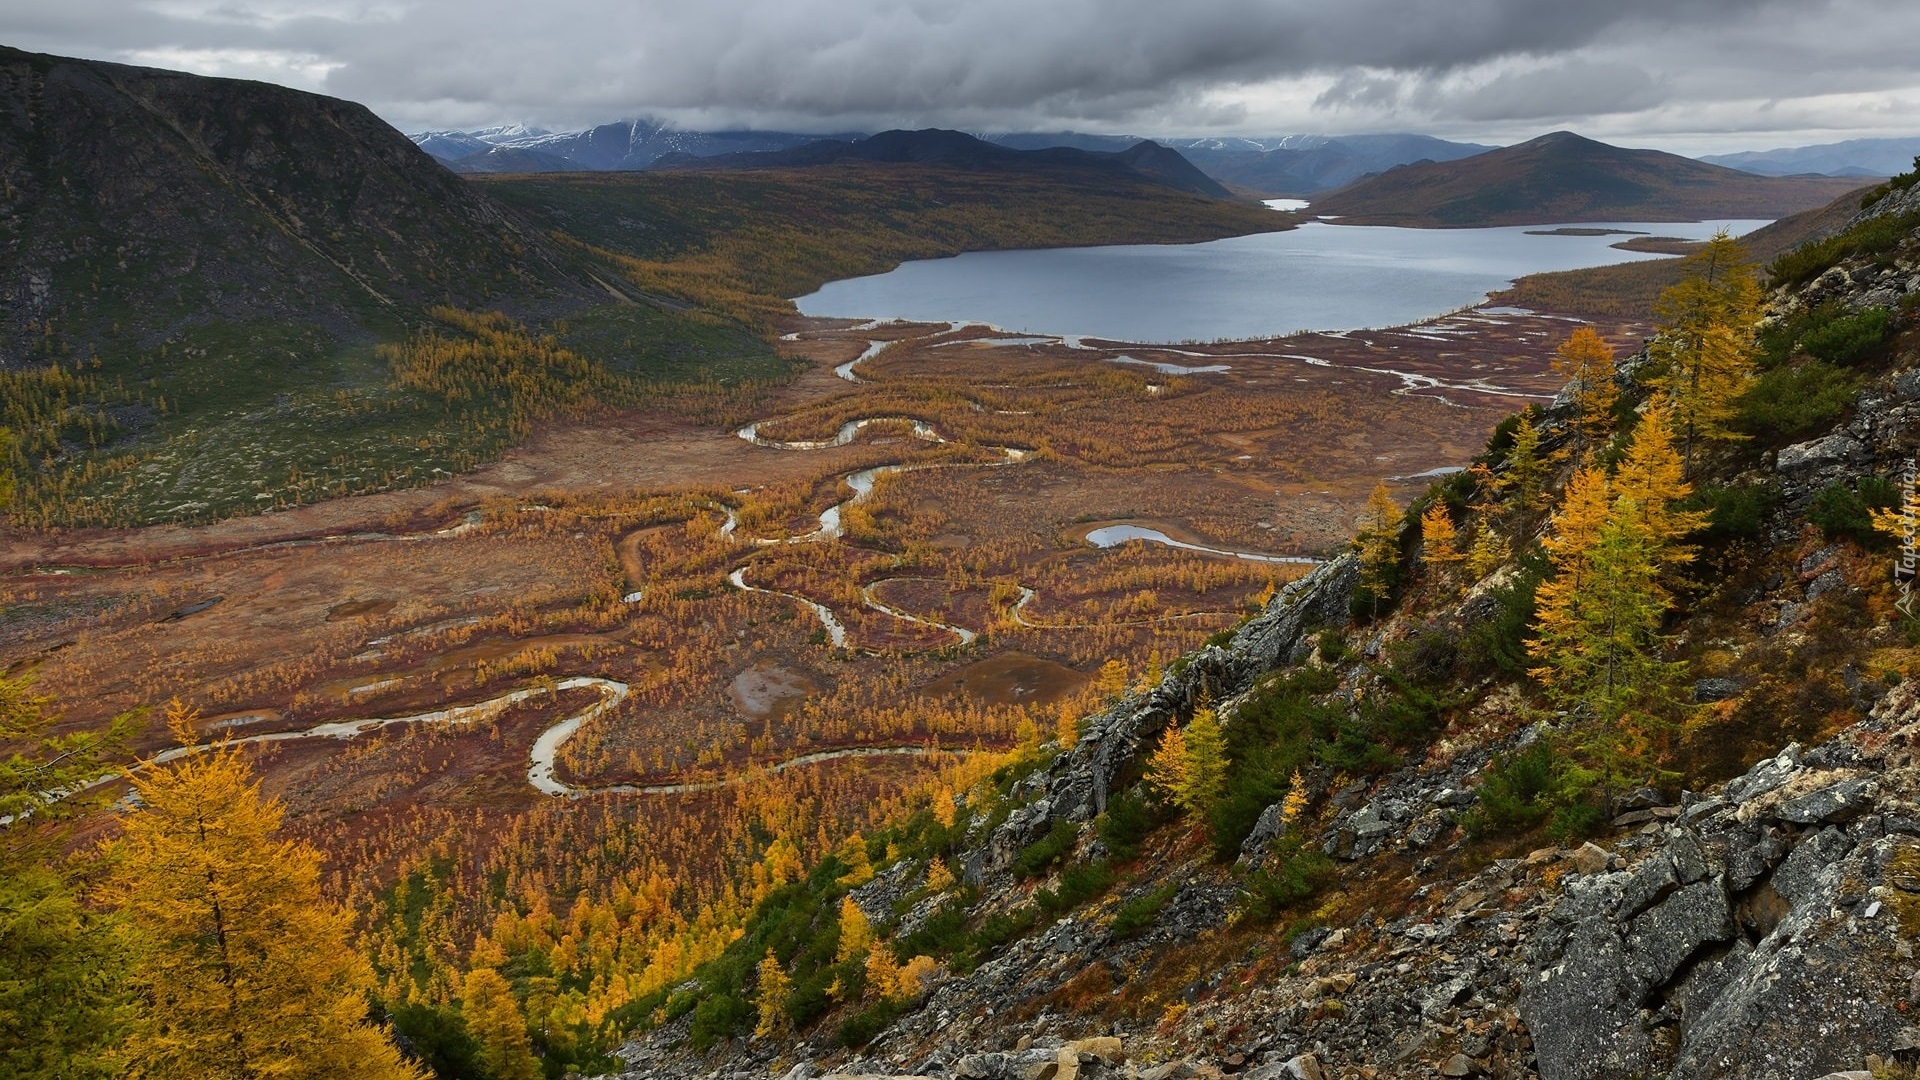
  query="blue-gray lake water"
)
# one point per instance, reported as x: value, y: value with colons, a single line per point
x: 1316, y: 277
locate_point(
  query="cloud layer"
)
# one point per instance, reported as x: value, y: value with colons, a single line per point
x: 1659, y: 69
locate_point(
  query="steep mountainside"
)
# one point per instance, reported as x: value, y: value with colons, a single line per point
x: 958, y: 150
x: 1417, y: 861
x: 136, y: 202
x: 1562, y: 177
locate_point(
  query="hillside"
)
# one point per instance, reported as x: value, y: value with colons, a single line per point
x: 1420, y: 856
x: 957, y: 150
x: 200, y: 273
x: 1628, y: 290
x: 1562, y: 177
x: 196, y: 201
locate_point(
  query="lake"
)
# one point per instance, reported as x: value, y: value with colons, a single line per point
x: 1317, y: 277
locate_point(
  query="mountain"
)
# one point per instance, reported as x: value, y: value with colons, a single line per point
x: 139, y: 202
x: 1563, y: 177
x: 958, y: 150
x: 619, y: 146
x: 1308, y: 165
x: 1279, y: 165
x: 198, y: 275
x: 1854, y: 157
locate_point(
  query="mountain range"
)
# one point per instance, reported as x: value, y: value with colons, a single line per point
x: 1562, y: 177
x: 1292, y: 165
x: 1854, y: 157
x: 958, y: 150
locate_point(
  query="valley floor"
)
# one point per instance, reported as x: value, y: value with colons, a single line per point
x: 924, y: 586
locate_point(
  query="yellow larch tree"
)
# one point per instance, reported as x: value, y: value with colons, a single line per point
x: 497, y: 1024
x: 1378, y: 541
x: 939, y: 878
x: 1486, y: 553
x: 883, y: 971
x: 1523, y: 482
x: 1585, y: 361
x: 241, y: 969
x: 1437, y: 536
x: 1597, y: 636
x: 1652, y: 475
x: 856, y: 931
x: 1190, y: 765
x: 770, y: 997
x: 1705, y: 341
x: 1067, y: 725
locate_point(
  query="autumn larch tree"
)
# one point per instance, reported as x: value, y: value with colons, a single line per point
x: 770, y: 997
x: 496, y: 1022
x: 1437, y: 536
x: 1652, y: 475
x: 1585, y: 361
x: 241, y: 969
x: 1378, y: 541
x: 1523, y: 482
x: 1705, y: 341
x: 1597, y: 640
x: 1190, y: 765
x: 63, y: 1004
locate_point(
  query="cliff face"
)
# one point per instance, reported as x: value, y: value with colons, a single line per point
x: 1753, y: 916
x: 134, y: 201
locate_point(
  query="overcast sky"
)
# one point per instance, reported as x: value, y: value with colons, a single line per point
x: 1694, y: 76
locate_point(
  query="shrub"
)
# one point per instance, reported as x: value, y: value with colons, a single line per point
x: 1843, y: 511
x: 1873, y: 237
x: 1499, y: 641
x: 1789, y: 402
x: 860, y: 1029
x: 1079, y: 883
x: 1137, y: 914
x: 1037, y: 857
x: 1733, y: 513
x: 717, y: 1017
x: 1516, y: 795
x: 1129, y: 818
x: 1294, y: 874
x: 1848, y: 338
x: 1332, y: 646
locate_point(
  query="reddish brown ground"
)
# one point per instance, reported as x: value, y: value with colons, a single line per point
x: 1275, y: 455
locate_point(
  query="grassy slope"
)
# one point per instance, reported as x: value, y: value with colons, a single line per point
x: 1563, y: 177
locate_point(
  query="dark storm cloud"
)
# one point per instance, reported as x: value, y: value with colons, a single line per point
x: 828, y: 64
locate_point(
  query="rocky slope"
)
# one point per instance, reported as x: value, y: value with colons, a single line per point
x: 1754, y: 915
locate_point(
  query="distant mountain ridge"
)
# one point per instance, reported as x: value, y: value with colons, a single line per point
x: 1562, y: 177
x: 957, y: 149
x: 1291, y: 165
x: 1854, y: 157
x: 620, y: 146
